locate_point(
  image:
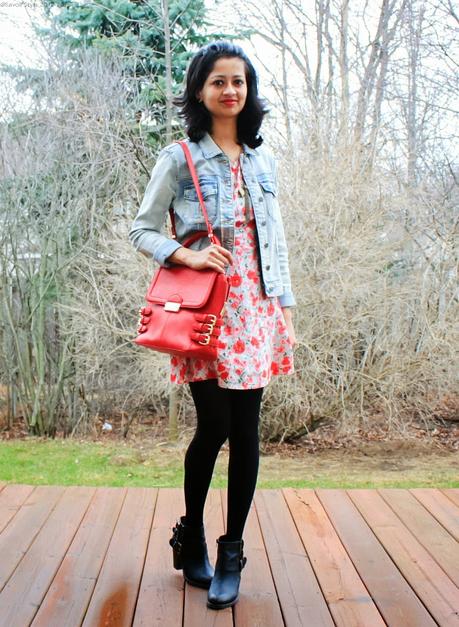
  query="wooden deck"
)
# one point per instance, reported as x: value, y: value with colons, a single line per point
x: 100, y: 557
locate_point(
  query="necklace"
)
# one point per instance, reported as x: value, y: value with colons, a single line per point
x: 242, y: 189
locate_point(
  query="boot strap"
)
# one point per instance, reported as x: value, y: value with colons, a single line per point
x: 174, y: 541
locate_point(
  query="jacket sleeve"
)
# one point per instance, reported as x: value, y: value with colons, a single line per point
x: 287, y: 299
x: 146, y: 231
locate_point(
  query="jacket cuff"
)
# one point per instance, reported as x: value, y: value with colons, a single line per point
x: 166, y: 250
x: 287, y: 300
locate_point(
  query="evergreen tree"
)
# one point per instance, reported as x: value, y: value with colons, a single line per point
x: 134, y: 30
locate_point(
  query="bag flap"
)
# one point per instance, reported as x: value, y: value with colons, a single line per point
x: 180, y: 284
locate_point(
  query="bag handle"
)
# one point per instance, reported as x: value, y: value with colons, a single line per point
x: 194, y: 176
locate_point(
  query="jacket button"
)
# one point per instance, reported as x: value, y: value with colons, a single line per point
x: 268, y: 267
x: 266, y: 245
x: 263, y: 223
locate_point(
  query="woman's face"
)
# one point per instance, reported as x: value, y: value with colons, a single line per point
x: 225, y: 91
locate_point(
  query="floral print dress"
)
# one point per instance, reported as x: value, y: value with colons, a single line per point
x: 254, y: 342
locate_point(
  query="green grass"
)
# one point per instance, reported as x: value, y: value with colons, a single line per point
x: 72, y: 463
x: 67, y: 462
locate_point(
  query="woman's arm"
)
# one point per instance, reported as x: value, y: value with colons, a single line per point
x: 287, y: 312
x: 145, y: 233
x: 213, y: 257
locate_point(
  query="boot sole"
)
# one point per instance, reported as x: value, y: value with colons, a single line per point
x: 222, y: 606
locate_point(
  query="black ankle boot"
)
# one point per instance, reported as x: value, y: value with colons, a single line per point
x: 224, y: 589
x: 190, y: 554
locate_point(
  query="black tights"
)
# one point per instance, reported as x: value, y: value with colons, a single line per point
x: 222, y: 414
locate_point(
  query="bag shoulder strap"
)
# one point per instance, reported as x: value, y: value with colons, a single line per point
x: 197, y: 187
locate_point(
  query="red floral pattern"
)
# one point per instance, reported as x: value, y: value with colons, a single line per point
x: 254, y: 342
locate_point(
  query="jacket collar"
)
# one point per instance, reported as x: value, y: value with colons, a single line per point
x: 210, y: 149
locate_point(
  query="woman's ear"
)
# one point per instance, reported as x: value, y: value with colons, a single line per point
x: 198, y: 96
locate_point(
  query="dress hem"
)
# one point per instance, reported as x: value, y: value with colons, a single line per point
x: 240, y: 387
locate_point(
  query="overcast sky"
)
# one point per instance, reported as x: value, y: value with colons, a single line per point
x: 16, y: 35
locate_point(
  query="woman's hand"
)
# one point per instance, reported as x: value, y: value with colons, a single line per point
x: 214, y: 257
x: 287, y: 312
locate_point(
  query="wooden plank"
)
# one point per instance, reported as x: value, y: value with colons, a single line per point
x: 160, y: 599
x: 394, y: 598
x: 115, y: 594
x: 299, y: 593
x: 258, y: 605
x: 347, y: 597
x: 452, y: 494
x: 11, y: 500
x: 425, y: 576
x: 441, y: 507
x: 196, y: 611
x: 68, y: 595
x: 22, y: 595
x: 17, y: 537
x: 426, y: 529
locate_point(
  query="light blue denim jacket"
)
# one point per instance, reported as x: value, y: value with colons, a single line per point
x: 171, y: 185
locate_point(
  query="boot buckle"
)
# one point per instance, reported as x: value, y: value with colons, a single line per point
x: 175, y: 543
x: 242, y: 562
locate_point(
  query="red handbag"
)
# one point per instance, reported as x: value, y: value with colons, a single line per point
x: 183, y: 314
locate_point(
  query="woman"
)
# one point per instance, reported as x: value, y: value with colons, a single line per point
x: 223, y: 115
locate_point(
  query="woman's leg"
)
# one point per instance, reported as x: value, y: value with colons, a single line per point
x: 243, y: 458
x: 242, y: 478
x: 213, y: 415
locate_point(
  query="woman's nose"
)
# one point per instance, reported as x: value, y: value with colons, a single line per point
x: 229, y: 89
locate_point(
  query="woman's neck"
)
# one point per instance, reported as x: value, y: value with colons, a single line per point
x: 224, y: 133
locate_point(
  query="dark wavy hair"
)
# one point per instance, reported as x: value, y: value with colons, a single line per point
x: 198, y: 120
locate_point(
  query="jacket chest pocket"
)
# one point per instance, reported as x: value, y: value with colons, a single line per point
x: 268, y: 188
x: 191, y: 209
